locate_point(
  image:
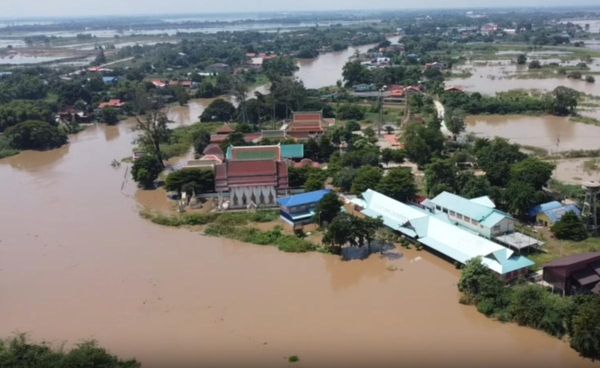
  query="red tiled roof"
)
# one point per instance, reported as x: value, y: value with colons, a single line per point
x: 249, y: 173
x: 252, y: 137
x: 114, y: 103
x: 213, y: 149
x: 218, y: 138
x: 225, y: 129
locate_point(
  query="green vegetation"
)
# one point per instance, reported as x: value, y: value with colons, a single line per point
x: 227, y: 218
x: 570, y: 227
x: 399, y: 183
x: 275, y: 237
x: 351, y: 230
x: 145, y: 170
x: 191, y: 181
x: 218, y: 110
x: 18, y: 352
x: 36, y: 135
x: 533, y: 306
x: 293, y: 359
x: 328, y: 208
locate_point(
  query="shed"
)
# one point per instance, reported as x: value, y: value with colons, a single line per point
x: 574, y: 274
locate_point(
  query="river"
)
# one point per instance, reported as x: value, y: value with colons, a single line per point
x: 326, y: 69
x: 77, y: 262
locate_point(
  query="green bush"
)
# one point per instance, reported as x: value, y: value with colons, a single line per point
x: 570, y: 227
x: 35, y: 135
x: 18, y: 352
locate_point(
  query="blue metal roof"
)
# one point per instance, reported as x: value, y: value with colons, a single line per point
x: 544, y: 207
x: 292, y: 150
x: 464, y: 206
x: 555, y: 214
x: 304, y: 198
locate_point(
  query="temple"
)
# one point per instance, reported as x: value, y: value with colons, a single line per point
x: 251, y: 176
x: 305, y: 125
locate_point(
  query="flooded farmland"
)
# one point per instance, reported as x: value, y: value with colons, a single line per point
x: 552, y: 133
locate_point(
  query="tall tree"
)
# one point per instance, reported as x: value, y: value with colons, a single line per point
x: 154, y: 131
x: 329, y: 207
x: 399, y: 183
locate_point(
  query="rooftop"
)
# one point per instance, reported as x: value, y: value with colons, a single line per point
x: 304, y: 198
x: 473, y: 208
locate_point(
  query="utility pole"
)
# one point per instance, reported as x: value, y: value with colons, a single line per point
x: 380, y: 110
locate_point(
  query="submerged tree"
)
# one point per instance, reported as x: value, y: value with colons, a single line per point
x: 154, y: 132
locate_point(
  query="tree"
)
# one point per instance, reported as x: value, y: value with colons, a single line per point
x: 570, y: 227
x: 329, y: 207
x: 421, y: 143
x: 349, y: 111
x: 239, y: 90
x: 196, y: 181
x: 585, y: 336
x: 364, y: 229
x: 354, y: 73
x: 535, y: 64
x: 315, y: 181
x: 154, y: 132
x: 367, y: 177
x: 522, y: 59
x: 146, y: 169
x: 441, y: 174
x: 496, y: 158
x: 565, y: 100
x: 337, y: 233
x: 527, y: 305
x: 533, y: 171
x: 35, y: 135
x: 218, y: 110
x: 474, y: 186
x: 18, y: 352
x: 201, y: 141
x: 110, y: 116
x: 399, y: 183
x: 455, y: 121
x: 100, y: 58
x: 478, y: 282
x: 520, y: 197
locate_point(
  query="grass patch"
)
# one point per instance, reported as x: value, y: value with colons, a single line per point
x: 566, y: 190
x: 555, y: 249
x: 223, y: 219
x: 585, y: 120
x: 293, y: 359
x: 591, y: 165
x: 275, y: 237
x: 182, y: 138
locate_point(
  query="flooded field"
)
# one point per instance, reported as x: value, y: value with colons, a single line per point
x: 575, y: 171
x: 504, y: 76
x: 552, y: 133
x: 77, y: 262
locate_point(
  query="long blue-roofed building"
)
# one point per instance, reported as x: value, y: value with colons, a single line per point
x: 299, y: 210
x: 442, y: 236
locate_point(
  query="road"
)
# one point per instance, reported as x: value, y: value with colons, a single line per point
x: 441, y: 112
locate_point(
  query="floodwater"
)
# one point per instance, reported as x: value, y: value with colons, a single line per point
x: 552, y: 133
x: 77, y: 262
x: 573, y: 171
x: 502, y: 76
x: 326, y: 69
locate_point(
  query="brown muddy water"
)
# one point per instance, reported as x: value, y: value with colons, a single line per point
x: 552, y: 133
x: 326, y: 69
x: 574, y: 171
x: 77, y: 262
x: 503, y: 76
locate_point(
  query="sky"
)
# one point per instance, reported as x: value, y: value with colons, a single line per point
x: 70, y: 8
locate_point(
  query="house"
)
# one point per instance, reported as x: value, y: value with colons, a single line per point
x: 305, y: 125
x: 218, y: 68
x: 111, y: 104
x: 251, y: 176
x: 478, y: 214
x: 547, y: 214
x: 435, y: 66
x: 110, y: 80
x: 441, y: 236
x: 577, y: 274
x: 159, y: 84
x: 225, y: 129
x: 299, y: 210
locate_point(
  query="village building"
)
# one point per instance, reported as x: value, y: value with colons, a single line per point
x: 305, y: 125
x: 111, y: 104
x: 441, y: 236
x: 110, y: 80
x: 478, y: 214
x: 299, y: 210
x: 251, y: 176
x: 577, y: 274
x: 547, y: 214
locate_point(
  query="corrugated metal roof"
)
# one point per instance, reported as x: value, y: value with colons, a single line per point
x: 485, y: 201
x: 556, y: 214
x: 304, y: 198
x: 544, y: 207
x: 438, y: 234
x: 493, y: 219
x: 464, y: 206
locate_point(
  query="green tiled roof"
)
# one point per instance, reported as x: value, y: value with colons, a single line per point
x: 292, y: 150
